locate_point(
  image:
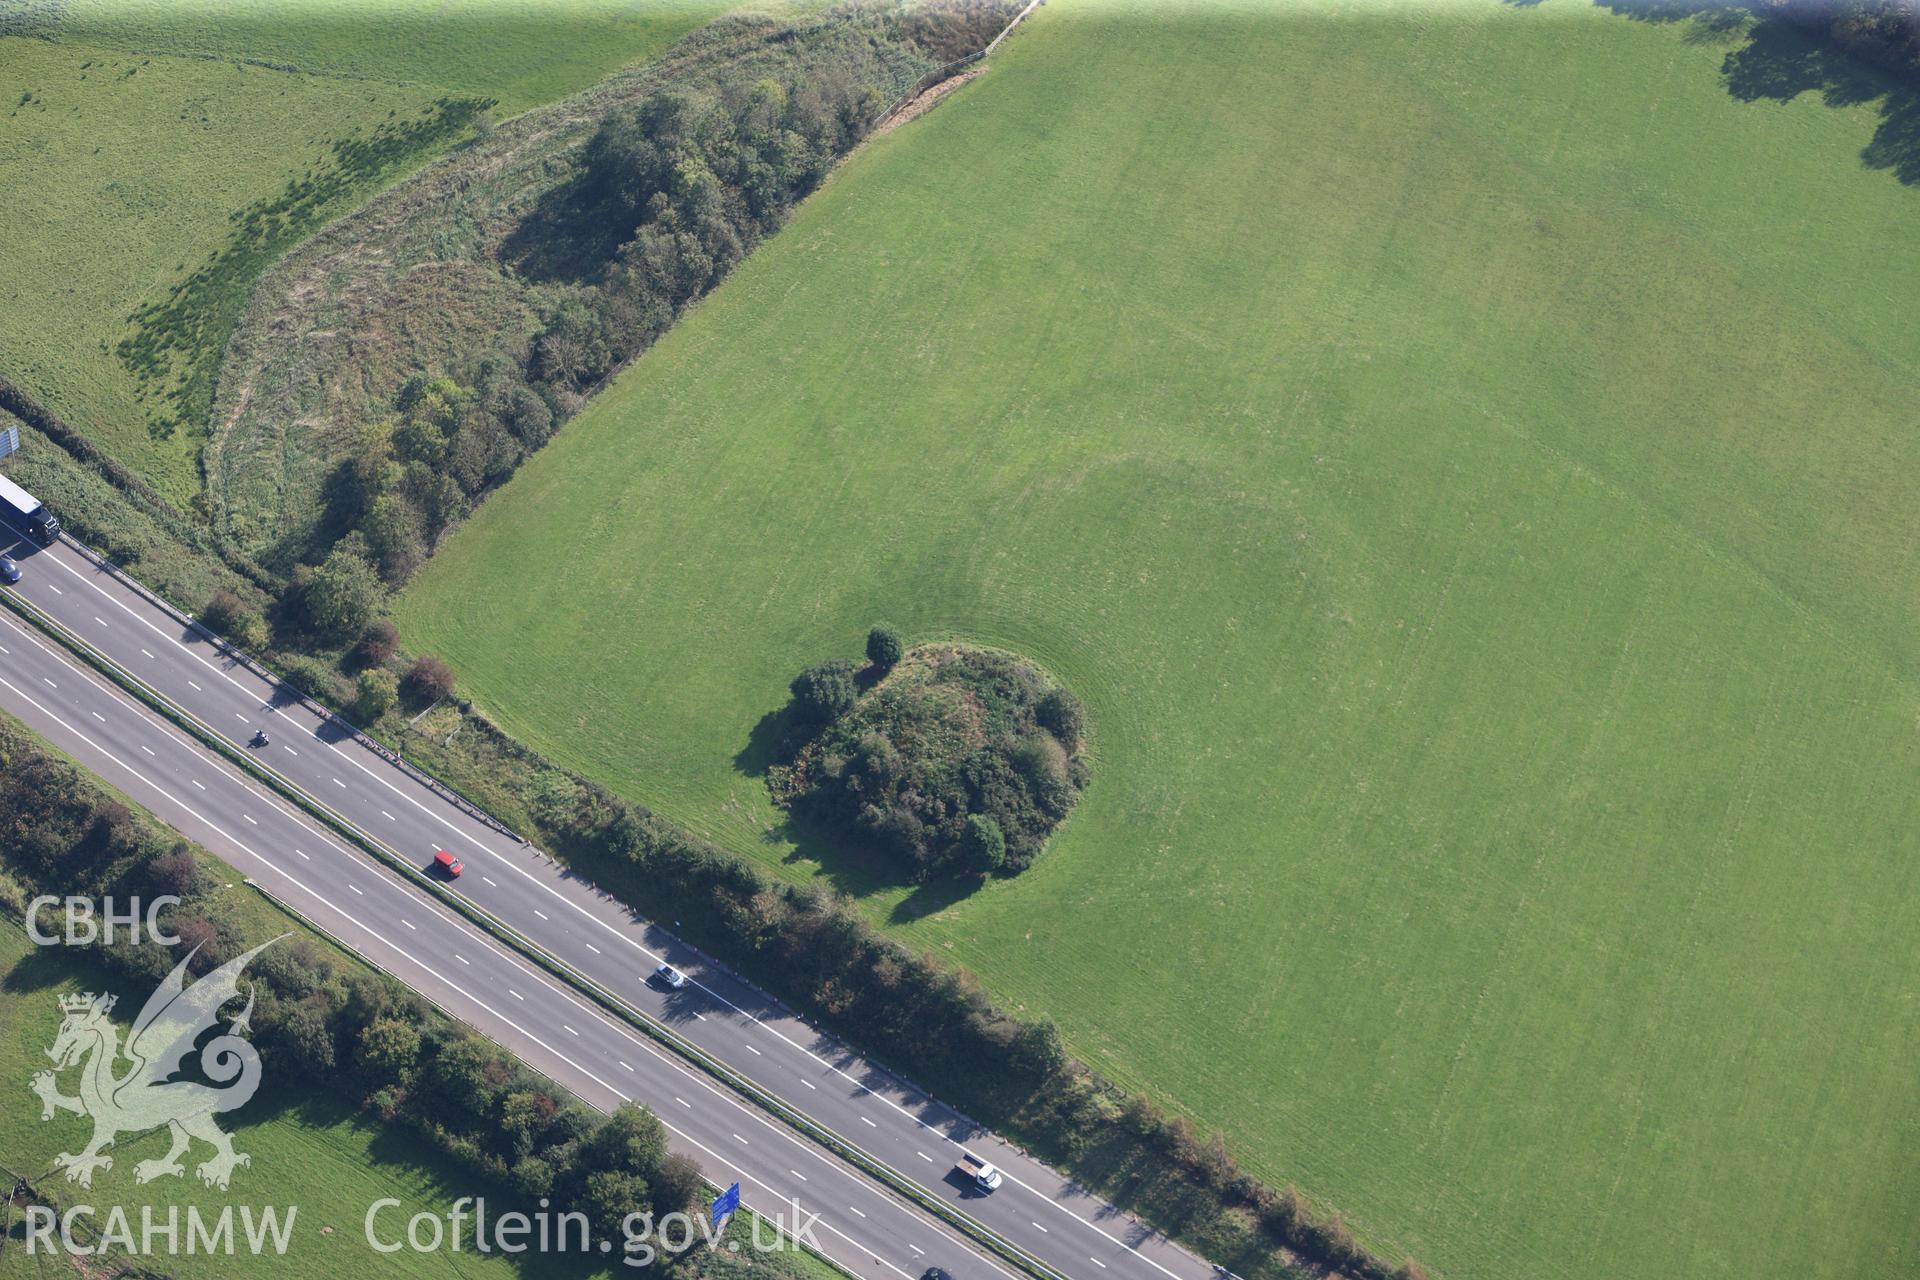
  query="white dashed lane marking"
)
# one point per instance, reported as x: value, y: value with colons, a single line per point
x: 356, y: 889
x: 410, y: 924
x: 865, y: 1121
x: 196, y: 686
x: 701, y: 1017
x: 196, y: 782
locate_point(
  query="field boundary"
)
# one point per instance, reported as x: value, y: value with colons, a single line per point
x: 939, y: 74
x: 506, y: 934
x: 230, y: 650
x: 309, y: 923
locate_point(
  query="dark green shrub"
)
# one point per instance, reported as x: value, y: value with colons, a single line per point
x: 340, y: 597
x: 824, y: 693
x: 529, y: 417
x: 884, y: 647
x: 226, y: 616
x: 1061, y: 714
x: 982, y: 847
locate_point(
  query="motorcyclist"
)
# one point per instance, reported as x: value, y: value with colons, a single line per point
x: 259, y: 738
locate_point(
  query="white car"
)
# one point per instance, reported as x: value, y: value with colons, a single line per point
x: 984, y: 1175
x: 669, y: 977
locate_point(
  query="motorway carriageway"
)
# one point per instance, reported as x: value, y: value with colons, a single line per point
x: 1039, y: 1211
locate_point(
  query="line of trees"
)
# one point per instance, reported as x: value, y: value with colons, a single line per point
x: 935, y: 1024
x: 665, y: 199
x: 342, y: 1027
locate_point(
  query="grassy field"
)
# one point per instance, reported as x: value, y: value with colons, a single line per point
x: 522, y: 52
x: 138, y: 129
x: 1464, y: 458
x: 122, y: 169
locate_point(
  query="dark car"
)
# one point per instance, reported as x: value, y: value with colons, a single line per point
x: 934, y: 1273
x: 9, y: 569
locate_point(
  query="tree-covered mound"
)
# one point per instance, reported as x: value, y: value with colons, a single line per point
x: 955, y: 761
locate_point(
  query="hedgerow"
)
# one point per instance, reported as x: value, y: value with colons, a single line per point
x: 342, y: 1028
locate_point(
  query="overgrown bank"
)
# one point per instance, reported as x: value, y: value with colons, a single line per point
x: 401, y: 365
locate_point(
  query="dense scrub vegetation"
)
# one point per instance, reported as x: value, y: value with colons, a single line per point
x: 959, y: 761
x: 340, y: 1026
x: 620, y: 227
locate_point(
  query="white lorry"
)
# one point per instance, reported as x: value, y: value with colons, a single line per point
x: 984, y: 1175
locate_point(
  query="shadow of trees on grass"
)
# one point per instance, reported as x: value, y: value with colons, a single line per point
x: 1780, y: 57
x: 1780, y: 62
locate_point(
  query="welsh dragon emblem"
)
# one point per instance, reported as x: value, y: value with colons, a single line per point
x: 145, y: 1096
